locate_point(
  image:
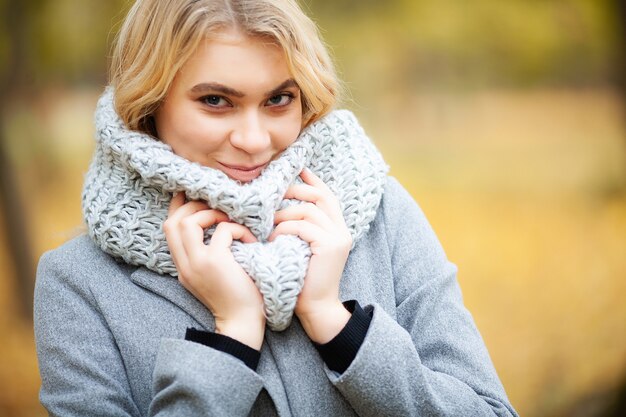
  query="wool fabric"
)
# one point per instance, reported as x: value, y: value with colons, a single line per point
x: 133, y: 176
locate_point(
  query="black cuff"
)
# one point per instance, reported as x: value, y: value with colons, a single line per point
x: 339, y: 353
x: 225, y: 344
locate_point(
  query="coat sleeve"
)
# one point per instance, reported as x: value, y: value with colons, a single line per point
x: 83, y: 373
x: 430, y: 360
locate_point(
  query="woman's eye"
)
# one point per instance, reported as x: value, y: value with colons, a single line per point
x: 214, y: 101
x: 280, y: 100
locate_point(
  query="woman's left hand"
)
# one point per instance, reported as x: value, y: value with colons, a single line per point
x: 318, y: 221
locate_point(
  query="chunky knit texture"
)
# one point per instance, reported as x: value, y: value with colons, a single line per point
x: 132, y: 178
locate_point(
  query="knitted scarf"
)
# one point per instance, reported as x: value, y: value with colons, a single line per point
x: 133, y: 176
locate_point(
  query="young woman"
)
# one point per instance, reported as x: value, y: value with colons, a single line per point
x: 225, y: 195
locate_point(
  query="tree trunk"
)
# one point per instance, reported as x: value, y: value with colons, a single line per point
x: 621, y: 48
x: 17, y: 241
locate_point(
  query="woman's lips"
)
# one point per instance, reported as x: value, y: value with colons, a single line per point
x: 242, y: 173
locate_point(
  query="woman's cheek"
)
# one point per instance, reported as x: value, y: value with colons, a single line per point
x: 197, y: 142
x: 208, y: 133
x: 288, y: 130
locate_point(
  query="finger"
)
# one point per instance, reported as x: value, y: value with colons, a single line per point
x: 172, y: 225
x: 331, y: 204
x: 172, y: 235
x: 324, y: 198
x: 306, y: 211
x: 316, y: 182
x: 310, y: 178
x: 304, y: 230
x: 205, y: 218
x: 186, y: 210
x: 192, y: 231
x: 304, y: 192
x: 225, y: 233
x: 175, y: 245
x: 176, y: 202
x: 313, y: 180
x: 179, y: 256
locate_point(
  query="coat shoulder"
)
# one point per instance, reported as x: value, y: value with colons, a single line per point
x: 78, y: 258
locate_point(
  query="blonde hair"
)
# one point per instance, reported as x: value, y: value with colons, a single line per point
x: 158, y: 37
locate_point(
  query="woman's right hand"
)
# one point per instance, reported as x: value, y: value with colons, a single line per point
x: 211, y: 273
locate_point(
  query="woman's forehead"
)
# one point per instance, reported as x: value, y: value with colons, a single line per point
x: 238, y: 61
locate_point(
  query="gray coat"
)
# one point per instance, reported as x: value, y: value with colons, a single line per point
x: 110, y: 339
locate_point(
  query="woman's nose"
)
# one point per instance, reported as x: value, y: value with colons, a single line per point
x: 250, y: 135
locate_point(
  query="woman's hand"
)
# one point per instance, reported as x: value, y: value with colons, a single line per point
x: 211, y: 273
x: 318, y: 221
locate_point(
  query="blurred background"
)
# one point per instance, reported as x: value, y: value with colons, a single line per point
x: 505, y: 119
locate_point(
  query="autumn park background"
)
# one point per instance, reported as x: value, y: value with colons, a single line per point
x: 505, y: 119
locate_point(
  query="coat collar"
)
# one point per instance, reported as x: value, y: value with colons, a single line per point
x: 172, y: 290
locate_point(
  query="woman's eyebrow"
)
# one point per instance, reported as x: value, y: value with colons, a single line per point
x: 212, y: 87
x: 204, y: 88
x: 284, y: 85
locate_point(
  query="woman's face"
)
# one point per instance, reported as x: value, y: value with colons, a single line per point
x: 233, y: 106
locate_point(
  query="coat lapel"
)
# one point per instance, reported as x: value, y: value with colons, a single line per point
x: 172, y: 290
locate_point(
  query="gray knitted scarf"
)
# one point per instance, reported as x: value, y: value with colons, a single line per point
x: 132, y: 178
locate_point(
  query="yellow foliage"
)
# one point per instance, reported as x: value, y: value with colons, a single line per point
x: 525, y: 190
